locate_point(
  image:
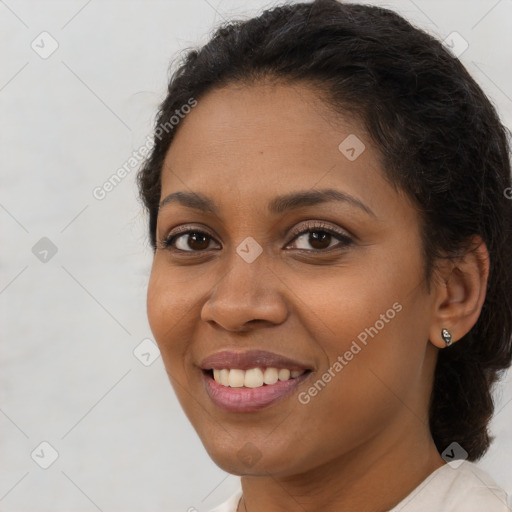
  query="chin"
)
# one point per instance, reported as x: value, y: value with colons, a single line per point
x: 245, y: 458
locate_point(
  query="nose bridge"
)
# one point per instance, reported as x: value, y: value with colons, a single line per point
x: 246, y: 265
x: 247, y: 291
x: 247, y: 278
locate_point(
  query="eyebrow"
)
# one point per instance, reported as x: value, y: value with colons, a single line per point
x: 276, y: 206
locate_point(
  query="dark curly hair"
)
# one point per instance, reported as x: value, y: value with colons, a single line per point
x: 440, y: 141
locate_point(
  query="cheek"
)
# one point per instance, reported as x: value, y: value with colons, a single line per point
x: 168, y: 304
x: 372, y: 372
x: 159, y: 309
x: 372, y: 325
x: 174, y: 301
x: 340, y: 304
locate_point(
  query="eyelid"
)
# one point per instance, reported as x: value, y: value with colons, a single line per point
x: 346, y: 238
x: 320, y: 225
x: 166, y: 243
x: 185, y: 228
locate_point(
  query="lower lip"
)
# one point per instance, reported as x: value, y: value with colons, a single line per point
x: 250, y: 399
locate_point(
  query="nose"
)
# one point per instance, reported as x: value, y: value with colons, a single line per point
x: 249, y: 294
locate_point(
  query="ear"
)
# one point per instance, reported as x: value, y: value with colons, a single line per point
x: 460, y: 293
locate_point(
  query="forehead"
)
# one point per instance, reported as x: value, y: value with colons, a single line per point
x: 265, y: 139
x: 252, y: 119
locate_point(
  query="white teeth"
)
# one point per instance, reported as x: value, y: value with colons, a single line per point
x: 284, y: 374
x: 253, y: 378
x: 224, y: 377
x: 236, y: 378
x: 221, y: 376
x: 271, y: 376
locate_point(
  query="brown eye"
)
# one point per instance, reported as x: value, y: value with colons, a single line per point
x: 198, y: 241
x: 188, y: 241
x: 320, y: 238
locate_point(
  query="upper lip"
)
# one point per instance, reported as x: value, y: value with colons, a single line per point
x: 227, y: 359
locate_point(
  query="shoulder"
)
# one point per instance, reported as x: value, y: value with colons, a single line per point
x: 229, y: 505
x: 456, y: 487
x: 449, y: 488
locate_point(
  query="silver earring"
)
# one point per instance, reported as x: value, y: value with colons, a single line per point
x: 447, y: 337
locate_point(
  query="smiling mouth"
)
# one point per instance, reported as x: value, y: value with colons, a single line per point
x: 254, y: 377
x: 258, y: 395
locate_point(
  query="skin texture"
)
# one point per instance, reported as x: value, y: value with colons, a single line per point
x: 363, y: 442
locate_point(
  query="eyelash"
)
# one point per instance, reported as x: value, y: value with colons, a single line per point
x: 320, y: 227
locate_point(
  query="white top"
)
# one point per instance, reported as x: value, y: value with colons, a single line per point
x: 454, y: 487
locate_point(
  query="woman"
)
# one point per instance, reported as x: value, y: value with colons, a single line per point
x: 331, y: 288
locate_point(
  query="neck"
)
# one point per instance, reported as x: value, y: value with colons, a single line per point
x: 368, y: 479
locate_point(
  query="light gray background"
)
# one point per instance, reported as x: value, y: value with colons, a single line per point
x: 70, y: 325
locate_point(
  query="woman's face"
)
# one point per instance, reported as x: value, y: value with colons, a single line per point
x: 333, y: 283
